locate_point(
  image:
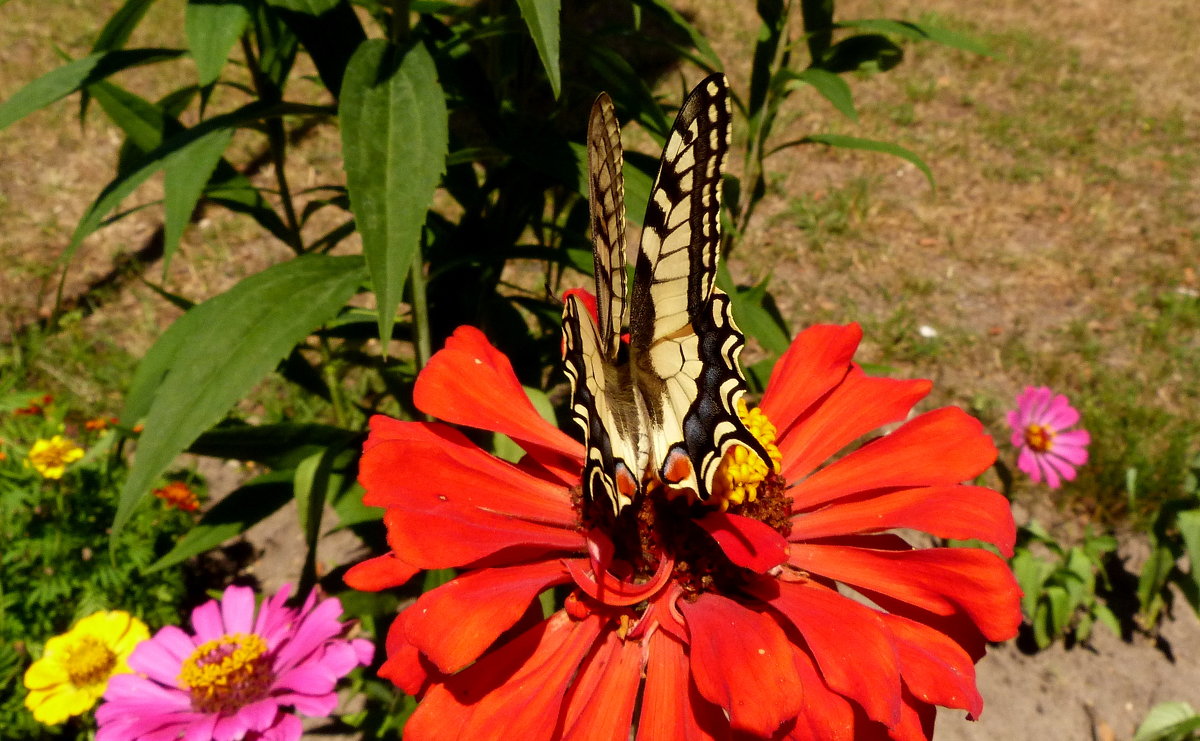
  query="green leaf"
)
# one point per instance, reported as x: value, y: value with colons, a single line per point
x: 831, y: 87
x: 316, y: 481
x: 212, y: 28
x: 65, y: 80
x: 542, y: 18
x: 232, y: 341
x: 871, y: 145
x: 277, y: 446
x: 184, y: 178
x: 755, y: 312
x: 1188, y: 523
x: 351, y: 511
x: 307, y: 7
x: 921, y: 32
x: 675, y: 18
x: 330, y: 36
x: 1154, y: 576
x: 1168, y: 721
x: 637, y: 184
x: 1061, y: 607
x: 121, y: 24
x: 395, y: 139
x: 1106, y: 616
x: 232, y: 516
x: 866, y: 52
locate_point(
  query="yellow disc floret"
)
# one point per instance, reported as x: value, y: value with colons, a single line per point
x: 741, y: 471
x: 1039, y: 437
x: 227, y: 673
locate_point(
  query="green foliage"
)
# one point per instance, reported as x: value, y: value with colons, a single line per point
x: 57, y: 564
x: 1174, y: 559
x: 1059, y: 584
x: 1169, y: 721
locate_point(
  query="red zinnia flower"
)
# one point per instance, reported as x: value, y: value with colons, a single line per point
x: 792, y: 612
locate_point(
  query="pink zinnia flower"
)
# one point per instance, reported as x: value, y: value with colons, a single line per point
x: 1040, y: 425
x: 233, y: 676
x: 682, y: 620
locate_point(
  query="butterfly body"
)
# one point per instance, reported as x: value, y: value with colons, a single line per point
x: 664, y: 405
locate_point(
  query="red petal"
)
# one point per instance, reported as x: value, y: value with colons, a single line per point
x: 404, y: 665
x: 960, y: 512
x: 514, y: 692
x: 941, y: 580
x: 858, y: 405
x: 470, y: 382
x: 935, y: 668
x: 600, y: 703
x: 748, y: 543
x: 849, y: 641
x: 945, y: 446
x: 381, y: 572
x: 435, y: 462
x: 742, y: 661
x: 825, y: 714
x: 451, y: 536
x: 455, y: 623
x: 671, y: 706
x: 818, y: 359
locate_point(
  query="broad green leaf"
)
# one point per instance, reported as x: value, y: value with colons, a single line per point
x: 282, y: 445
x: 310, y: 486
x: 232, y: 516
x: 212, y: 28
x: 351, y: 511
x: 637, y: 186
x: 1106, y: 616
x: 831, y: 87
x: 1168, y: 721
x: 395, y: 139
x: 871, y: 145
x: 181, y: 146
x: 1061, y: 607
x: 664, y: 9
x: 232, y: 341
x: 308, y: 7
x: 754, y: 310
x: 1027, y: 569
x: 65, y: 80
x: 1154, y: 575
x: 1188, y: 523
x: 184, y: 178
x: 542, y: 18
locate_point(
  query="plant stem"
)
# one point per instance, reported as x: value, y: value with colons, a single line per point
x: 400, y: 25
x: 420, y: 307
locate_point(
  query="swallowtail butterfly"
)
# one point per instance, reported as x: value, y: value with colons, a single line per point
x: 665, y: 404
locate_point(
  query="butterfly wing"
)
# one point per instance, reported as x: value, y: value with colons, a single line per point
x: 606, y: 190
x: 684, y: 345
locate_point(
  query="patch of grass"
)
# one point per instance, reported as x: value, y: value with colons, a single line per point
x: 835, y: 213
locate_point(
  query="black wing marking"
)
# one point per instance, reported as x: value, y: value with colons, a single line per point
x: 606, y: 186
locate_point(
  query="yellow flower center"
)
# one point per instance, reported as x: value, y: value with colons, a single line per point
x: 741, y: 471
x: 89, y: 661
x: 1039, y: 437
x: 51, y: 457
x: 227, y: 673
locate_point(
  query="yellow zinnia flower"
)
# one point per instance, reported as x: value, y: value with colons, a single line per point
x: 75, y: 667
x: 51, y: 457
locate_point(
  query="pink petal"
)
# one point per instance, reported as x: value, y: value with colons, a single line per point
x: 1060, y: 466
x: 237, y: 609
x: 1048, y: 471
x: 207, y: 623
x: 1061, y: 414
x: 1027, y: 462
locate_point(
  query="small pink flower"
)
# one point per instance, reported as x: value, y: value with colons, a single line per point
x: 232, y: 677
x: 1040, y: 425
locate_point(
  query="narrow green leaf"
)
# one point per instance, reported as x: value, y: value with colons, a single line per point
x: 1188, y: 523
x: 232, y: 516
x: 871, y: 145
x: 330, y: 37
x: 395, y: 138
x: 184, y: 178
x: 65, y: 80
x: 921, y: 32
x: 542, y: 18
x: 121, y: 24
x: 308, y: 7
x: 1106, y: 616
x: 831, y: 87
x: 1168, y: 721
x: 282, y: 445
x: 212, y: 28
x: 232, y: 341
x: 142, y: 121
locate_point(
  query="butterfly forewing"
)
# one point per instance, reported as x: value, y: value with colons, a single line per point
x: 606, y: 190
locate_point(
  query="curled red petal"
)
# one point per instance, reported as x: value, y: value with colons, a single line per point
x: 945, y: 446
x: 858, y: 405
x: 513, y: 692
x: 850, y: 643
x: 935, y: 668
x: 600, y: 702
x: 470, y: 382
x: 381, y: 572
x: 404, y: 665
x: 671, y: 706
x: 954, y: 511
x: 615, y: 591
x: 815, y: 362
x: 747, y: 542
x: 455, y: 623
x: 742, y: 661
x: 941, y: 580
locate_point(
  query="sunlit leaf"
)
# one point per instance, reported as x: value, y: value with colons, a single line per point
x: 1168, y: 721
x: 831, y: 87
x: 395, y: 139
x: 212, y: 28
x: 228, y: 344
x: 871, y: 145
x: 542, y: 18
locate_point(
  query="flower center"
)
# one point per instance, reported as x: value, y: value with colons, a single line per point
x: 227, y: 673
x: 741, y: 471
x: 1039, y: 437
x: 89, y: 661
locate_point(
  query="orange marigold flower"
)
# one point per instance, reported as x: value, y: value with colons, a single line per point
x: 685, y: 620
x: 99, y: 424
x: 177, y: 494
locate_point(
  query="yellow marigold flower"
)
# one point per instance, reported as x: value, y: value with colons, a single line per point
x: 51, y: 457
x: 75, y: 668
